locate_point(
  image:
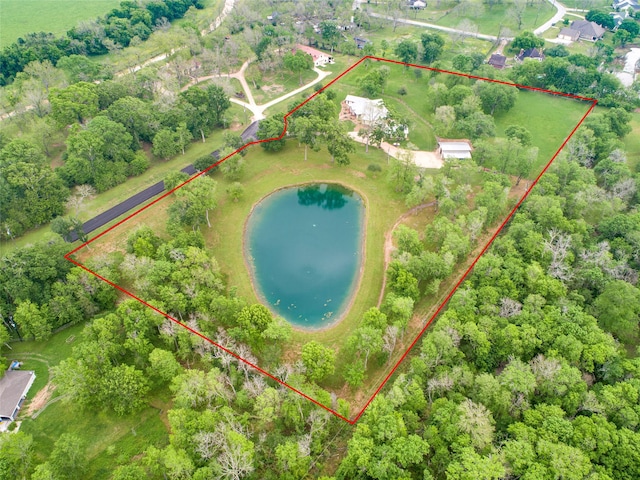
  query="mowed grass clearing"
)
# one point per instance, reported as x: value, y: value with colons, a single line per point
x: 19, y: 17
x: 482, y: 18
x: 632, y: 143
x: 549, y: 118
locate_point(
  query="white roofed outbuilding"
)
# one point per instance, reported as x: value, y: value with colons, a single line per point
x: 454, y: 149
x: 366, y: 110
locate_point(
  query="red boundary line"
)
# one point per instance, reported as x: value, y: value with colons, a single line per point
x: 444, y: 302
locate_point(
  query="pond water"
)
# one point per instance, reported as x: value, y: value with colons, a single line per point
x: 304, y: 248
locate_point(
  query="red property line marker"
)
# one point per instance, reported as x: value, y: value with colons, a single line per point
x: 282, y: 134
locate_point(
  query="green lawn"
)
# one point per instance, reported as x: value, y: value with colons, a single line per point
x: 587, y: 4
x: 549, y: 118
x: 110, y: 440
x: 632, y: 143
x: 276, y: 84
x: 484, y: 19
x: 19, y: 17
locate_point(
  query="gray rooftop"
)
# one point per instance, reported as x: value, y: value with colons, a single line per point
x: 13, y: 386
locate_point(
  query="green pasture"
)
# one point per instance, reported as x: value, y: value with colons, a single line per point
x: 632, y: 143
x: 475, y: 14
x: 549, y: 118
x: 19, y: 17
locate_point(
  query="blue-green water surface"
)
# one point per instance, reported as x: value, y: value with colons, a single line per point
x: 305, y: 250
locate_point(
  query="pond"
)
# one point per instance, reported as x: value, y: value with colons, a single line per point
x: 303, y: 246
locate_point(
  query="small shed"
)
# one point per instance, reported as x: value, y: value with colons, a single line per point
x: 360, y: 42
x: 497, y: 61
x: 14, y: 386
x: 454, y: 148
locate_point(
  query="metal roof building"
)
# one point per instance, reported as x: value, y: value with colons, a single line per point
x: 14, y: 386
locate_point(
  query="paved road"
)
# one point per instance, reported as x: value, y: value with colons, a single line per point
x: 249, y: 134
x: 560, y: 13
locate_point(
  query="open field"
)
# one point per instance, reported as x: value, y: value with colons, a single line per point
x: 111, y: 440
x: 276, y: 84
x: 19, y: 17
x: 549, y: 118
x: 475, y: 16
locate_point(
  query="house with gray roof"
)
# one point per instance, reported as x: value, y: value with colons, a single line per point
x: 14, y: 386
x: 589, y: 31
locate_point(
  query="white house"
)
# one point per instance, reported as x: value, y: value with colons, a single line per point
x: 13, y: 390
x: 457, y: 149
x: 365, y: 110
x: 417, y: 5
x: 320, y: 59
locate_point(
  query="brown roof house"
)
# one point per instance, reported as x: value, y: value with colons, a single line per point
x: 320, y: 59
x: 532, y: 53
x: 497, y: 61
x: 590, y: 31
x: 14, y: 386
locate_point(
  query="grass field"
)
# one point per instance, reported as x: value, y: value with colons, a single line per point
x: 276, y: 84
x: 632, y: 143
x: 474, y: 14
x: 549, y: 118
x: 19, y: 17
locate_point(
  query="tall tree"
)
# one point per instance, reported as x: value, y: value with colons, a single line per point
x: 318, y: 360
x: 407, y: 51
x: 76, y: 103
x: 298, y: 63
x: 432, y: 45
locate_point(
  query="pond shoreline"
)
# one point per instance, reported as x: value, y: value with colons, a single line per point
x: 249, y: 265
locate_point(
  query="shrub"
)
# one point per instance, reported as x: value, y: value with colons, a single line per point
x: 374, y: 168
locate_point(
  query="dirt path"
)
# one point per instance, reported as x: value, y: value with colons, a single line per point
x: 40, y: 400
x: 388, y: 243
